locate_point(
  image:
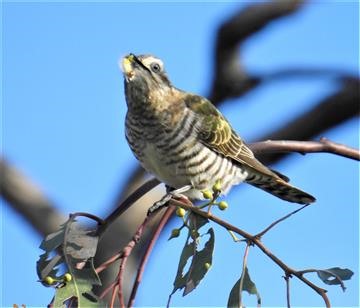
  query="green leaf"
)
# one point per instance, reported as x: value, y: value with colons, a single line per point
x: 335, y: 275
x: 196, y: 221
x: 198, y: 267
x: 200, y: 260
x: 48, y: 262
x: 243, y: 284
x: 186, y: 254
x: 79, y: 289
x: 73, y: 247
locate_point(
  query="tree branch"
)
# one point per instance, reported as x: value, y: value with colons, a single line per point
x: 303, y: 147
x: 126, y: 204
x: 27, y: 199
x: 230, y: 79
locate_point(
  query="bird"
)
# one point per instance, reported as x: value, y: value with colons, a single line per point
x: 185, y: 141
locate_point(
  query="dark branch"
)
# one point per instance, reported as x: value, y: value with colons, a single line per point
x: 230, y: 79
x: 28, y: 200
x: 126, y: 204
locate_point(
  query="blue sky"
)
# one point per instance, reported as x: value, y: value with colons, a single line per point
x: 63, y: 115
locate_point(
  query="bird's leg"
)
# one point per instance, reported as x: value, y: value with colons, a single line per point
x: 170, y: 193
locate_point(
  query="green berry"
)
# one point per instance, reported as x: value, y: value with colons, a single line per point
x: 207, y: 265
x: 223, y: 205
x: 175, y: 233
x: 180, y: 212
x: 207, y: 194
x: 67, y: 277
x: 195, y: 234
x: 217, y: 186
x: 49, y: 280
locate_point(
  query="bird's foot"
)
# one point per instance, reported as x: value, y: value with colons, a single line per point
x: 171, y: 193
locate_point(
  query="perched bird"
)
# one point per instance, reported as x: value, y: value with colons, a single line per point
x: 185, y: 141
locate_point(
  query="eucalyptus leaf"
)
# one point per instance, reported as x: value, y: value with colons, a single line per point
x: 197, y: 221
x: 335, y: 275
x: 198, y: 267
x: 243, y: 284
x: 74, y: 248
x: 76, y: 289
x: 186, y: 254
x: 200, y: 260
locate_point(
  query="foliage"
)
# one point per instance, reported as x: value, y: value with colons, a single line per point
x: 71, y: 248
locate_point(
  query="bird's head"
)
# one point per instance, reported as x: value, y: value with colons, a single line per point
x: 144, y: 75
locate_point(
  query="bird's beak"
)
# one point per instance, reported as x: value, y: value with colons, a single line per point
x: 128, y: 65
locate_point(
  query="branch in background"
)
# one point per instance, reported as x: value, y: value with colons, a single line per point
x: 27, y: 199
x: 330, y: 112
x: 230, y: 79
x: 128, y: 202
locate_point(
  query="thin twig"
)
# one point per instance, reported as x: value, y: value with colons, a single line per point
x: 113, y: 296
x: 107, y: 289
x: 117, y: 286
x: 241, y: 284
x: 259, y: 235
x: 287, y: 280
x: 108, y: 262
x: 123, y: 255
x: 88, y: 215
x: 256, y: 241
x: 165, y: 218
x: 120, y: 277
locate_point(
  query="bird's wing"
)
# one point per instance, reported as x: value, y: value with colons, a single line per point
x: 216, y: 133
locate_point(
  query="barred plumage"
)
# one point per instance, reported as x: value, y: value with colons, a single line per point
x: 183, y: 139
x: 179, y: 159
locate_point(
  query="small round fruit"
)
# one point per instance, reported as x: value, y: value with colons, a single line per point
x: 223, y: 205
x: 217, y: 186
x: 207, y: 265
x: 49, y: 280
x: 175, y: 233
x: 207, y: 194
x: 180, y: 212
x: 195, y: 234
x: 67, y: 277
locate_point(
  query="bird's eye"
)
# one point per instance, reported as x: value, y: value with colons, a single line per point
x: 155, y: 67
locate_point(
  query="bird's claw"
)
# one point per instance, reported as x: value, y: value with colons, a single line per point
x: 160, y: 204
x: 163, y: 202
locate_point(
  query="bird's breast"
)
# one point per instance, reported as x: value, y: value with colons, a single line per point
x: 176, y: 156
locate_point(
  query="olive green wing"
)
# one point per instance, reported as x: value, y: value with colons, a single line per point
x: 216, y: 132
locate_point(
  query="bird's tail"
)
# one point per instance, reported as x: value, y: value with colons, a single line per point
x: 281, y: 189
